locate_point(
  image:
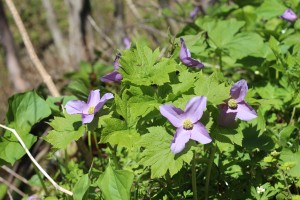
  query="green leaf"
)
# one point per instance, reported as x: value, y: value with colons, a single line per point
x: 115, y: 131
x: 115, y: 184
x: 81, y: 187
x: 285, y: 134
x: 144, y: 67
x: 186, y: 79
x: 25, y: 110
x: 55, y: 103
x: 79, y: 89
x: 10, y: 148
x: 270, y: 9
x: 157, y: 154
x: 290, y: 160
x: 209, y: 86
x: 66, y: 129
x: 253, y: 140
x: 245, y: 44
x: 225, y: 138
x: 222, y: 32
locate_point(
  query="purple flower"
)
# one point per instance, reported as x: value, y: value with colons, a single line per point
x: 289, y: 15
x: 33, y: 197
x: 88, y: 110
x: 194, y: 12
x: 185, y: 57
x: 187, y: 123
x: 126, y: 42
x: 236, y: 107
x: 114, y: 76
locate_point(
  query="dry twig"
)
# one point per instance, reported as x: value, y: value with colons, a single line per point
x: 39, y: 66
x: 36, y: 163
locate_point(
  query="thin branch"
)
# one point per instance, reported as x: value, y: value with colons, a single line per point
x: 21, y: 178
x: 134, y: 10
x: 44, y: 74
x: 99, y: 30
x: 11, y: 186
x: 9, y: 195
x: 35, y: 162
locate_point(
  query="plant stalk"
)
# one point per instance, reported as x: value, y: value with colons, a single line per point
x: 194, y: 183
x: 211, y: 160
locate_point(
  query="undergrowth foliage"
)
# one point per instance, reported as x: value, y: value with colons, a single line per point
x: 251, y: 59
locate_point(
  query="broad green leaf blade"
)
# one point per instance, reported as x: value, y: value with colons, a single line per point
x: 270, y: 9
x: 245, y: 44
x: 55, y: 103
x: 209, y: 86
x: 290, y: 162
x: 142, y: 66
x: 157, y: 154
x: 25, y: 110
x: 115, y: 184
x: 221, y: 32
x: 66, y: 130
x: 81, y: 187
x: 115, y: 131
x: 10, y: 148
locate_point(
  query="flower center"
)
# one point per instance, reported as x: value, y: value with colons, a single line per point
x: 91, y: 110
x: 187, y: 124
x: 232, y: 104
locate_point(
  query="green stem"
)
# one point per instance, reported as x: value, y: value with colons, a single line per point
x: 293, y: 114
x: 96, y: 143
x: 211, y: 160
x: 194, y: 183
x: 286, y: 184
x: 41, y: 180
x: 90, y: 141
x: 220, y: 61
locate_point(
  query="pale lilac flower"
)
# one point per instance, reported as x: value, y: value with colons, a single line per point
x: 88, y: 110
x: 236, y: 107
x: 187, y: 123
x: 114, y: 76
x: 34, y: 197
x: 185, y: 57
x: 194, y: 12
x: 126, y: 42
x: 289, y: 15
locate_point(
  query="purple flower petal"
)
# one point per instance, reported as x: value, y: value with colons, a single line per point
x: 75, y: 106
x: 173, y: 114
x: 87, y: 118
x: 190, y: 62
x: 194, y: 108
x: 102, y: 101
x: 112, y: 77
x: 126, y: 42
x: 194, y: 12
x: 200, y: 134
x: 289, y: 15
x: 226, y: 118
x: 94, y: 98
x: 245, y: 112
x: 116, y: 61
x: 180, y: 139
x: 185, y: 57
x: 239, y: 90
x: 184, y: 52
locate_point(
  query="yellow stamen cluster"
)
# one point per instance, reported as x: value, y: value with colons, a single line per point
x: 187, y: 124
x: 91, y: 110
x: 232, y: 104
